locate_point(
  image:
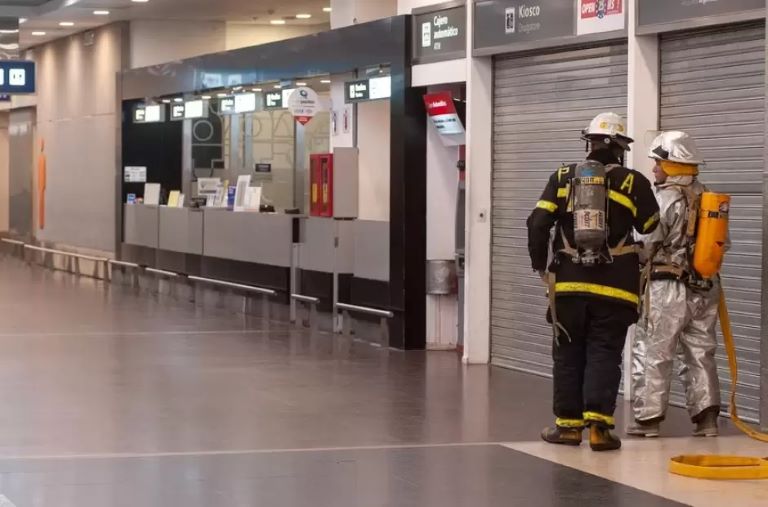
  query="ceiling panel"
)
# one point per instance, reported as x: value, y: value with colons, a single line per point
x: 45, y: 16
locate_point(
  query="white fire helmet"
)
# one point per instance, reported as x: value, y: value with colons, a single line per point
x: 609, y: 126
x: 675, y: 146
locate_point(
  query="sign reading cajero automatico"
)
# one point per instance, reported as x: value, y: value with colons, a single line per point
x: 440, y: 34
x: 659, y: 14
x: 502, y: 25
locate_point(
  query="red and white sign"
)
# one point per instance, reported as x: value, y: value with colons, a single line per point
x: 304, y: 104
x: 596, y: 16
x: 442, y: 111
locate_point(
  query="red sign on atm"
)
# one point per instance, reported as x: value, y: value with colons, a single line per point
x: 442, y: 111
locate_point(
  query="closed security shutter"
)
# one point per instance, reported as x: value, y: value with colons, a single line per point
x: 713, y: 87
x: 541, y: 104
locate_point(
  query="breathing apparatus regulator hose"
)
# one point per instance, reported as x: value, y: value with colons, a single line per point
x: 722, y: 467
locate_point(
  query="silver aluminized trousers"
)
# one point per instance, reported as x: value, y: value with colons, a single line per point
x: 678, y: 322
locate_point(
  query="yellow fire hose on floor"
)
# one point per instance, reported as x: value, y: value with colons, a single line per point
x: 724, y: 467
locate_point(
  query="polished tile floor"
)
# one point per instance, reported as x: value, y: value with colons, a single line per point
x: 112, y: 398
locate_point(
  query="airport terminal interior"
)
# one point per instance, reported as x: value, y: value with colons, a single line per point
x: 284, y: 253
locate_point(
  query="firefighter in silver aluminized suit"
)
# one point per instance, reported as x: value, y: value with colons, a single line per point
x: 681, y: 313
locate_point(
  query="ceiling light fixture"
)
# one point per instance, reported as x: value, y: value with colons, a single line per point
x: 301, y: 83
x: 327, y: 9
x: 222, y: 95
x: 206, y: 97
x: 101, y: 13
x: 277, y: 87
x: 303, y: 16
x: 38, y: 34
x: 66, y: 23
x: 140, y: 1
x: 255, y: 89
x: 325, y: 81
x: 22, y: 21
x: 166, y: 101
x: 178, y: 99
x: 277, y: 22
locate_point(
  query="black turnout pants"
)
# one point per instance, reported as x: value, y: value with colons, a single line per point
x: 587, y: 369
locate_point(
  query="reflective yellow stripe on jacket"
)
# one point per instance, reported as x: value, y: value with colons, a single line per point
x: 547, y: 205
x: 650, y: 222
x: 599, y: 290
x: 622, y: 199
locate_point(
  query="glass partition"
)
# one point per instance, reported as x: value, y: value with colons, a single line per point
x: 268, y: 144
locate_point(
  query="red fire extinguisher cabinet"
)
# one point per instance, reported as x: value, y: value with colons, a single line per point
x: 321, y: 185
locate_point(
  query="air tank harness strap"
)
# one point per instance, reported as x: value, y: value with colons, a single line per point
x: 621, y: 249
x: 669, y: 269
x: 645, y: 291
x: 557, y: 328
x: 726, y: 467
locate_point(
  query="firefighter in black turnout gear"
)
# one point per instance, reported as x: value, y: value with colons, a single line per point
x: 594, y: 278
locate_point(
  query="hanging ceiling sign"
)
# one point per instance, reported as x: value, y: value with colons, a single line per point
x: 17, y: 76
x: 375, y: 88
x: 445, y: 118
x: 177, y: 112
x: 655, y: 15
x: 149, y: 114
x: 227, y: 105
x: 273, y: 100
x: 440, y: 34
x: 304, y: 104
x: 245, y: 103
x: 195, y: 109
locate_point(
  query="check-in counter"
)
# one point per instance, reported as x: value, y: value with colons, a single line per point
x: 370, y: 284
x: 243, y: 247
x: 141, y: 225
x: 249, y: 247
x: 321, y: 254
x: 259, y: 238
x: 181, y: 230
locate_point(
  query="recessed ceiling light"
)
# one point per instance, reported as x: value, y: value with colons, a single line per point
x: 66, y: 23
x: 325, y: 81
x: 277, y: 87
x: 255, y: 89
x: 237, y: 88
x: 301, y: 83
x: 303, y: 16
x: 139, y: 1
x: 38, y: 34
x: 166, y: 101
x: 101, y: 13
x: 206, y: 97
x: 178, y: 99
x: 22, y: 21
x: 277, y: 22
x: 327, y: 9
x: 221, y: 95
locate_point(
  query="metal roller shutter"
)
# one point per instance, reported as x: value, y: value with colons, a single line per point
x: 713, y: 86
x: 541, y: 103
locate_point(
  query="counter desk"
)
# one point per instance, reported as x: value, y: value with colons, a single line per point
x: 243, y: 247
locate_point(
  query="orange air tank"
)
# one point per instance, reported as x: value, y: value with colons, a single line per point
x: 712, y: 234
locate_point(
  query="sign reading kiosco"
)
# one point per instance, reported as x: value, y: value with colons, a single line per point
x: 508, y: 22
